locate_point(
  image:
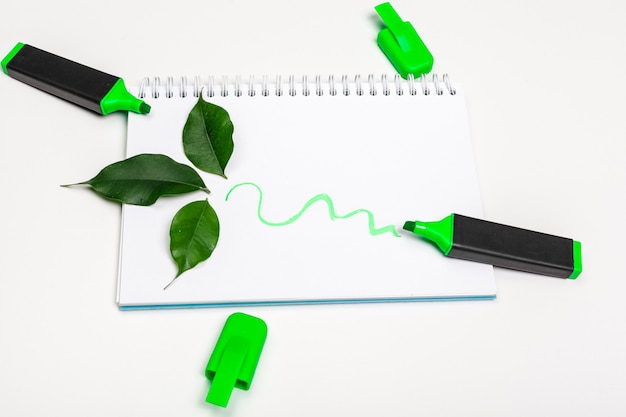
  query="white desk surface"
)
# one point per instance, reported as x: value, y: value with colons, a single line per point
x: 546, y: 94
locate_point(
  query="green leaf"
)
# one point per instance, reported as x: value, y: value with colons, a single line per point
x: 142, y: 179
x: 194, y: 233
x: 208, y: 137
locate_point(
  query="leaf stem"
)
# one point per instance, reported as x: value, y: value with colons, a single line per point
x: 170, y: 283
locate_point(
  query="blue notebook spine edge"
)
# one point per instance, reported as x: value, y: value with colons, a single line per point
x: 303, y: 302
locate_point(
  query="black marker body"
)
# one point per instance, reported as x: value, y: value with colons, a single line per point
x: 511, y: 247
x: 61, y: 77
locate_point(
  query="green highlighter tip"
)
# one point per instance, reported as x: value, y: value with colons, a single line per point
x: 410, y: 226
x: 144, y: 108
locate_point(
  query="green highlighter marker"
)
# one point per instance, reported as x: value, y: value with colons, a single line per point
x: 71, y: 81
x: 504, y: 246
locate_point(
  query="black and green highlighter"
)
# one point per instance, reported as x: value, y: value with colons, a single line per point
x: 500, y: 245
x: 79, y: 84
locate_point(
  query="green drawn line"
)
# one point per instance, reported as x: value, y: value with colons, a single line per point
x: 331, y: 211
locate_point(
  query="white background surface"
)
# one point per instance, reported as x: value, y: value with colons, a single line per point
x: 546, y: 90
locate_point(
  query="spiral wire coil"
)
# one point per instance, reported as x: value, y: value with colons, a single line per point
x: 425, y: 85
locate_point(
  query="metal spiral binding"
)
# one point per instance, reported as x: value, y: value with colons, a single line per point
x: 293, y: 86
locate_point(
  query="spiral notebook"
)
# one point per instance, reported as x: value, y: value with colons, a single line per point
x: 309, y: 151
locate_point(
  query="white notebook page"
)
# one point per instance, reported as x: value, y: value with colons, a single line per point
x: 402, y: 157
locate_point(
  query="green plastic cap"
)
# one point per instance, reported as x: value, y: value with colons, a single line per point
x: 402, y: 45
x: 235, y: 357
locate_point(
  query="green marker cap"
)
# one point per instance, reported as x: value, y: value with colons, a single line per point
x: 235, y: 357
x: 402, y: 45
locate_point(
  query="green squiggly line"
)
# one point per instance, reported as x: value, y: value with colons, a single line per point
x: 331, y: 211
